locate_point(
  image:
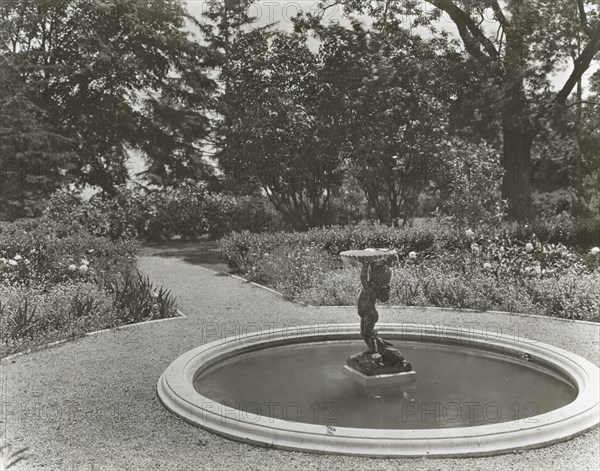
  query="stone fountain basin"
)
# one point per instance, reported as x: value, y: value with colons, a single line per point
x: 177, y: 391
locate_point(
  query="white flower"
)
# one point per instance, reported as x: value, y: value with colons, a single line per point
x: 487, y: 266
x: 412, y: 255
x: 84, y: 261
x: 529, y: 247
x: 18, y: 258
x: 3, y: 260
x: 475, y: 248
x: 469, y: 233
x: 595, y: 251
x: 12, y: 263
x: 538, y: 270
x: 83, y: 269
x: 72, y: 267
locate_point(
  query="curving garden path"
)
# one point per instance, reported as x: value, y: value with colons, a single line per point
x: 92, y: 404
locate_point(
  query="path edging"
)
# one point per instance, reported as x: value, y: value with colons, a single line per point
x: 180, y: 315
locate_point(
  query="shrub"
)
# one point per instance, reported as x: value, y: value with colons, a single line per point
x: 244, y: 249
x: 44, y: 250
x: 136, y: 299
x: 448, y: 268
x: 551, y: 204
x: 175, y: 211
x: 227, y: 214
x: 121, y: 217
x: 573, y: 296
x: 189, y: 211
x: 30, y: 317
x: 471, y: 179
x: 422, y: 286
x: 55, y: 282
x: 580, y: 233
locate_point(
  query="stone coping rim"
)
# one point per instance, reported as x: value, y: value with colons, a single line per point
x: 175, y: 390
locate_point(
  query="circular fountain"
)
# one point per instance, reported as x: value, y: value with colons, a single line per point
x: 457, y: 393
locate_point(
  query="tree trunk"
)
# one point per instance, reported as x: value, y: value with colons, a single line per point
x: 394, y: 210
x: 517, y: 127
x: 579, y: 207
x: 516, y: 161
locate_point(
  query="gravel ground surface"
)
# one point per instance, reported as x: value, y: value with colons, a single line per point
x: 92, y: 405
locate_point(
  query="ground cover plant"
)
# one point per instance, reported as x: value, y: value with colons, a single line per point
x: 59, y: 281
x: 510, y: 268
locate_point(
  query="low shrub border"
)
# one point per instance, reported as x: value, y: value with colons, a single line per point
x: 56, y: 343
x: 437, y: 267
x: 59, y: 281
x: 397, y: 306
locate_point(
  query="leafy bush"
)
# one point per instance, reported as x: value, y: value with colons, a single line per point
x: 437, y: 266
x: 570, y: 296
x: 226, y: 214
x: 30, y: 317
x: 57, y: 280
x: 121, y: 217
x: 471, y: 180
x: 136, y: 298
x: 580, y: 233
x: 42, y: 251
x: 188, y: 211
x: 242, y: 250
x: 422, y: 286
x: 573, y: 296
x: 551, y: 204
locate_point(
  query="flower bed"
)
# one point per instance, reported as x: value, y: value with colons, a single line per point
x: 58, y: 281
x: 510, y: 269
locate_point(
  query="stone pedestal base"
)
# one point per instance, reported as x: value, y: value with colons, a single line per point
x: 405, y: 380
x: 373, y: 364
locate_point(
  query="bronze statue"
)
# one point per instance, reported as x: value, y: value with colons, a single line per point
x: 380, y: 358
x: 375, y: 279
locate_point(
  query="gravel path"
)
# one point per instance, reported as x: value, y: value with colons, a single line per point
x: 92, y: 404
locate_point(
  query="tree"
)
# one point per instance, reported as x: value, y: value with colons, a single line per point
x: 278, y: 130
x: 394, y: 121
x: 516, y: 45
x: 114, y: 77
x: 31, y: 154
x: 567, y: 158
x: 224, y: 25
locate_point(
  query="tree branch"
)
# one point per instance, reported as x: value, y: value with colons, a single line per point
x: 584, y: 102
x: 582, y: 63
x: 499, y: 14
x: 583, y: 18
x: 472, y: 36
